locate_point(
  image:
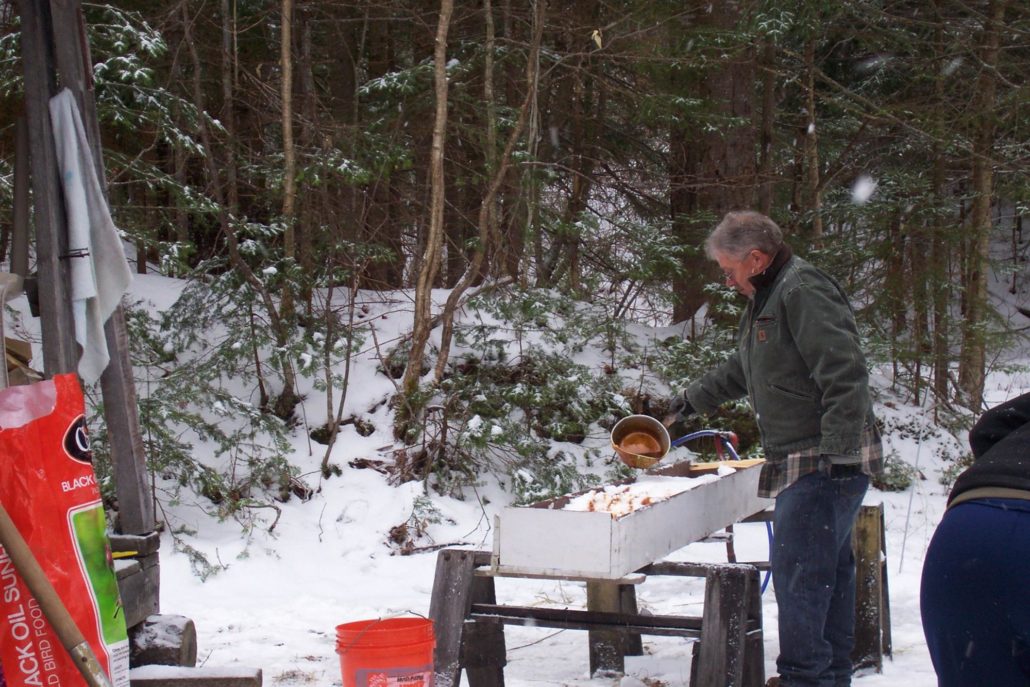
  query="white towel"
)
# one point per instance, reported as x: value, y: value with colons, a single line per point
x: 99, y: 272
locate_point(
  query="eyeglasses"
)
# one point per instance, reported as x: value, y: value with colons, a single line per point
x: 727, y: 274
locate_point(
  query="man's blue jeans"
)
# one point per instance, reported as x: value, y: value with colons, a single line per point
x: 813, y: 571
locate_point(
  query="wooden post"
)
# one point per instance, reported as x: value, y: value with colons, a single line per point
x: 633, y: 644
x: 483, y: 652
x: 139, y: 583
x: 724, y: 626
x: 872, y: 605
x: 135, y: 505
x: 20, y: 221
x: 448, y: 608
x: 607, y: 650
x: 59, y: 351
x: 754, y: 640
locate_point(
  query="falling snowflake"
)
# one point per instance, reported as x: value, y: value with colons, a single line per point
x: 863, y: 189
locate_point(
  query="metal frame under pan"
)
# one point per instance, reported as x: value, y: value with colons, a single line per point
x: 544, y: 540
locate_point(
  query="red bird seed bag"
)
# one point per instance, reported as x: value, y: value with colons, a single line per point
x: 49, y: 489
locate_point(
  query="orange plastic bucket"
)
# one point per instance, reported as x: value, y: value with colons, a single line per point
x: 393, y: 652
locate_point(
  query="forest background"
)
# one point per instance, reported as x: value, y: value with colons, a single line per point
x: 526, y: 180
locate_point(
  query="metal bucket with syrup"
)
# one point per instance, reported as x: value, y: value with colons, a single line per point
x: 640, y: 441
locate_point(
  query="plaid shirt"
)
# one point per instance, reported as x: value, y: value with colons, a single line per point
x: 780, y: 473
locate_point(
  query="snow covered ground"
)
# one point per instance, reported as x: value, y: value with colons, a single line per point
x: 279, y: 596
x: 278, y: 601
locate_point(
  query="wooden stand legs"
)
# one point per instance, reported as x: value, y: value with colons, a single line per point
x: 468, y: 623
x: 460, y: 643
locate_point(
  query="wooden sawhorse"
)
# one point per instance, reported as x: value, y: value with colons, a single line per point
x: 469, y: 624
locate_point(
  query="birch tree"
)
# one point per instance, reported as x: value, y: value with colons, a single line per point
x: 430, y: 265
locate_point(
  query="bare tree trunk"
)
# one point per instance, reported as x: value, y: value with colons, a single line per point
x: 314, y: 203
x: 712, y: 172
x: 229, y: 107
x: 486, y: 208
x: 895, y: 280
x: 972, y: 360
x: 578, y: 108
x: 767, y: 127
x: 431, y: 259
x: 382, y: 224
x: 512, y: 229
x: 289, y: 153
x: 493, y: 231
x: 938, y: 276
x: 812, y: 187
x: 531, y: 188
x: 1017, y: 241
x: 288, y: 397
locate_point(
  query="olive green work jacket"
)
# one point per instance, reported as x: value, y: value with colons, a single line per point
x: 799, y: 363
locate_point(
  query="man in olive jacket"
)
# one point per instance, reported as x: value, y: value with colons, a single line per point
x: 799, y: 363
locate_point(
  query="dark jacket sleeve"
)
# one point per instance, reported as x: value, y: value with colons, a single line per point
x: 717, y: 386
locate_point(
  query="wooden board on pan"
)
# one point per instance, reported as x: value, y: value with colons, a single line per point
x: 702, y: 468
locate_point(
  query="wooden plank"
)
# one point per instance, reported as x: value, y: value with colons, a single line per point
x: 135, y: 505
x: 139, y: 591
x: 724, y: 626
x: 565, y: 618
x: 448, y: 608
x: 680, y: 569
x: 75, y: 69
x: 887, y: 644
x: 20, y: 213
x: 178, y: 676
x: 59, y: 350
x: 139, y: 545
x: 754, y: 639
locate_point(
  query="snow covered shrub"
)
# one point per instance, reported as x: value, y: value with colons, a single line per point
x: 204, y: 382
x: 898, y: 475
x: 504, y: 418
x: 681, y: 360
x: 515, y: 391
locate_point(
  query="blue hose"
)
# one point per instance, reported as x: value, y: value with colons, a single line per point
x: 724, y: 437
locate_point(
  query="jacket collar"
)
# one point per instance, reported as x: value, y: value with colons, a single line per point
x: 766, y: 277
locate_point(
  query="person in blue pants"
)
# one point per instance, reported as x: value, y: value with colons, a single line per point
x: 975, y: 591
x: 800, y: 364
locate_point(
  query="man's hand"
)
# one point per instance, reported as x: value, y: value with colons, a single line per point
x: 679, y: 409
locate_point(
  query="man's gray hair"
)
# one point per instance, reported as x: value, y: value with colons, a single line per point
x: 743, y: 231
